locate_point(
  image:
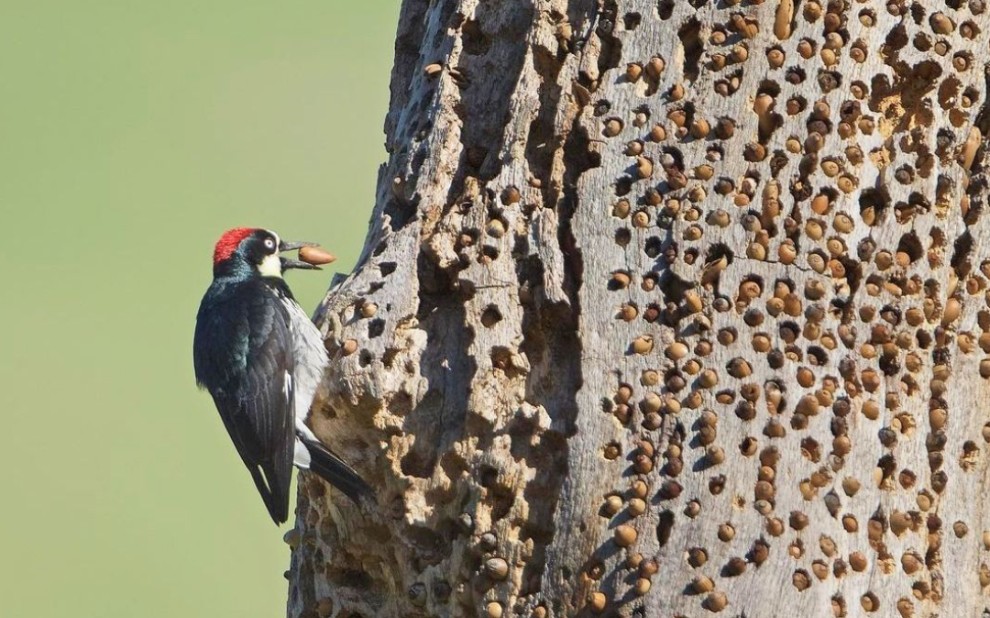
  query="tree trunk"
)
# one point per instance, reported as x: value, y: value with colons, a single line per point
x: 667, y: 308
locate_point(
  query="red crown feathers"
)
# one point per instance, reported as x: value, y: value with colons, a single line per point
x: 229, y: 242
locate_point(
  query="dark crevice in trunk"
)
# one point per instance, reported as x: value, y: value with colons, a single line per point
x: 408, y: 43
x: 542, y: 142
x: 611, y: 50
x: 550, y: 330
x: 484, y: 107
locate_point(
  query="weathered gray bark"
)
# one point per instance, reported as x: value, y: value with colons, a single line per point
x: 667, y: 309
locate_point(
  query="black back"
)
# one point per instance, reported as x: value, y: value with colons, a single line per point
x: 242, y: 352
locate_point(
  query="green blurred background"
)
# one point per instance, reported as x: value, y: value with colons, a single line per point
x: 132, y: 134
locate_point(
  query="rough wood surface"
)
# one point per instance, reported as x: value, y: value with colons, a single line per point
x: 667, y: 308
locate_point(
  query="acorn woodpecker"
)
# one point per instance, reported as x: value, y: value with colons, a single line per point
x: 262, y: 358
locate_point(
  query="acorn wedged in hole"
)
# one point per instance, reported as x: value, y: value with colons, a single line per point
x: 316, y: 256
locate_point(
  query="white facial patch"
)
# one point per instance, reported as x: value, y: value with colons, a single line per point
x: 271, y: 265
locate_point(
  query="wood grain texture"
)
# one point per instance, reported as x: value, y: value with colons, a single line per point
x: 667, y: 308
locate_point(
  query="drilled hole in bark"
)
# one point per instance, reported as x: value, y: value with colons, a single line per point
x: 428, y: 544
x: 673, y: 287
x: 349, y: 578
x: 453, y: 465
x: 488, y: 254
x: 611, y: 46
x: 476, y: 43
x: 418, y: 464
x: 690, y: 35
x: 491, y: 316
x: 896, y: 39
x: 811, y: 449
x: 961, y: 250
x: 665, y: 527
x: 819, y: 355
x: 389, y: 357
x: 948, y: 91
x: 769, y: 87
x: 653, y: 247
x: 718, y: 251
x: 501, y: 499
x: 789, y: 331
x: 873, y: 205
x: 365, y: 358
x: 911, y: 246
x: 887, y: 466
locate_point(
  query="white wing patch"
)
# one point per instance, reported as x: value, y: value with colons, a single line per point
x: 309, y: 361
x: 287, y: 387
x: 302, y: 457
x: 309, y: 355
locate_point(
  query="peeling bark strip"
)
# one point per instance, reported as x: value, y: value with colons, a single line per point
x: 668, y: 308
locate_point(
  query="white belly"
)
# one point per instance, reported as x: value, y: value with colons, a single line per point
x: 310, y: 362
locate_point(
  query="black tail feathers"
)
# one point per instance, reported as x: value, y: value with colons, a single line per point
x: 333, y: 470
x: 273, y: 491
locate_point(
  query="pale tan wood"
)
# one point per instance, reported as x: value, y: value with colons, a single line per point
x: 602, y: 229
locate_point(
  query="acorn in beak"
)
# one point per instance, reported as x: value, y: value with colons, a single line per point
x: 311, y: 255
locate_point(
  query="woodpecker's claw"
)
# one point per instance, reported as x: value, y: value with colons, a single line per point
x: 288, y: 263
x: 293, y: 245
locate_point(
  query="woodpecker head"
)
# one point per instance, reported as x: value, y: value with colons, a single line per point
x: 249, y: 251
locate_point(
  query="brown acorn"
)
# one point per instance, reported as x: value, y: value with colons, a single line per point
x: 316, y: 256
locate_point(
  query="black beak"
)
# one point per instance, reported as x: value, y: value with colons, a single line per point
x: 284, y: 246
x: 288, y: 263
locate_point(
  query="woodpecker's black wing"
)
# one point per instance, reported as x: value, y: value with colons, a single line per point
x: 243, y: 357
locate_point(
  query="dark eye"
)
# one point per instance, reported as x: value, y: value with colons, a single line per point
x: 270, y: 244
